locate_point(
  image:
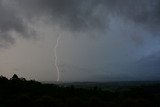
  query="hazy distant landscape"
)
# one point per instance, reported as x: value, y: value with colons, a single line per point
x: 107, y: 84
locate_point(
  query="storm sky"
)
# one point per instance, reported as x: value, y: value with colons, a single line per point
x: 102, y: 40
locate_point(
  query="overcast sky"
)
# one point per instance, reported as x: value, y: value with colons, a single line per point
x: 101, y: 40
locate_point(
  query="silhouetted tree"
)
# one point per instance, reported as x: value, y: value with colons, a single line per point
x: 22, y: 79
x: 3, y: 79
x: 15, y: 77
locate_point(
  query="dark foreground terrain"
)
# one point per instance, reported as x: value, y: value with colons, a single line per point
x: 18, y: 92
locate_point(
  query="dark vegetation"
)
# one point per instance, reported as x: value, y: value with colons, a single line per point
x: 19, y: 92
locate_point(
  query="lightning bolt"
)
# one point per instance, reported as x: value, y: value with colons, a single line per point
x: 56, y: 58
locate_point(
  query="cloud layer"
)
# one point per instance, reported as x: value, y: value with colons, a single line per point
x: 76, y: 16
x: 125, y: 31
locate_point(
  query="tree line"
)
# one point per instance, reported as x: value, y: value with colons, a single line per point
x: 19, y: 92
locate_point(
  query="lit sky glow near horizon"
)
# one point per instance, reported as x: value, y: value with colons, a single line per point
x: 101, y: 40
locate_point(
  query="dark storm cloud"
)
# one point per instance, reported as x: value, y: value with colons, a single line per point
x: 92, y: 14
x: 10, y: 21
x: 78, y: 15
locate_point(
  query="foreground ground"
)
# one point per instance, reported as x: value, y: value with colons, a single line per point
x: 18, y: 92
